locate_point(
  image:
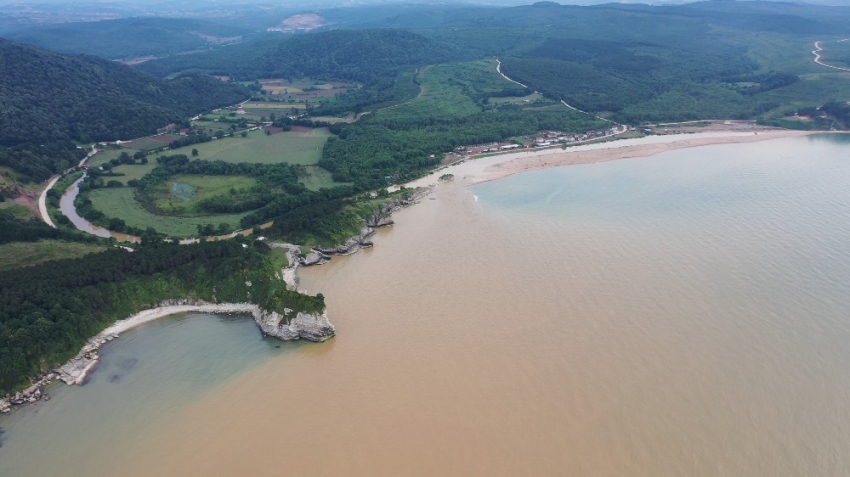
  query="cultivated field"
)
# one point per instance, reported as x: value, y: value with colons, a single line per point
x: 293, y: 147
x: 120, y: 203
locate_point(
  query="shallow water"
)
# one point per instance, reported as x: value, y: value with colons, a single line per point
x: 144, y: 380
x: 685, y: 314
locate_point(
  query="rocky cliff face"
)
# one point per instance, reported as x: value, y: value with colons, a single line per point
x: 311, y: 327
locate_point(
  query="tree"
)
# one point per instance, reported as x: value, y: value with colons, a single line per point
x: 244, y: 134
x: 223, y: 228
x: 116, y: 224
x: 144, y: 160
x: 194, y: 152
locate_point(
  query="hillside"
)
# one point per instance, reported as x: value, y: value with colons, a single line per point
x: 48, y: 99
x: 354, y: 55
x: 130, y: 38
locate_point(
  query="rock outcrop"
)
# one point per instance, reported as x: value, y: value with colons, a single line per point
x: 351, y: 245
x: 315, y: 258
x: 311, y: 327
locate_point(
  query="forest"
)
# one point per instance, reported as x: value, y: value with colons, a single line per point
x: 354, y: 55
x: 131, y: 37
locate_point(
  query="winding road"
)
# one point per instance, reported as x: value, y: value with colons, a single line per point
x: 42, y: 201
x: 817, y: 53
x: 499, y: 70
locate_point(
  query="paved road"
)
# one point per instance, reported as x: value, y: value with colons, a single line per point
x: 499, y: 70
x: 42, y: 202
x: 817, y: 60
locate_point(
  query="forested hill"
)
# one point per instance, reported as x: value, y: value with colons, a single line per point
x: 47, y: 96
x: 48, y: 99
x: 130, y: 37
x: 356, y: 55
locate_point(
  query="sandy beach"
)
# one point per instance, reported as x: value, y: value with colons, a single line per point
x: 475, y: 171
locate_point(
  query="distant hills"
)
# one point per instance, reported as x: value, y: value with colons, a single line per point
x: 356, y: 55
x: 131, y: 37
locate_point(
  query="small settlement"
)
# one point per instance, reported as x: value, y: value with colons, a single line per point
x: 542, y: 139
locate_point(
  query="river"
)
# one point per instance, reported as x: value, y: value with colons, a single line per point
x: 682, y: 314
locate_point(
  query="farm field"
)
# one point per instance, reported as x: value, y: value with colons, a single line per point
x: 211, y: 126
x: 120, y: 203
x: 181, y: 194
x: 20, y: 254
x: 151, y: 142
x: 132, y: 171
x: 302, y: 90
x: 293, y: 147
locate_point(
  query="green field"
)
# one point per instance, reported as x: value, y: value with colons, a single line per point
x: 17, y: 210
x: 812, y: 90
x: 21, y: 254
x: 290, y: 147
x: 181, y: 194
x: 107, y: 155
x: 132, y: 171
x: 446, y: 90
x: 120, y: 203
x: 517, y: 100
x: 211, y: 126
x: 319, y: 178
x: 151, y: 142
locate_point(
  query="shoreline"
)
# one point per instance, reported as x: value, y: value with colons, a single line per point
x: 474, y: 171
x: 312, y: 327
x: 484, y: 169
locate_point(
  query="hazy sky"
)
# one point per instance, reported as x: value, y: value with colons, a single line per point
x: 307, y: 4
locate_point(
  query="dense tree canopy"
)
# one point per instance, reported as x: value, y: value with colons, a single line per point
x: 361, y: 55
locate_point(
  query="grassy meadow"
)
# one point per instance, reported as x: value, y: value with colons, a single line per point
x: 446, y: 90
x: 120, y: 202
x: 181, y: 194
x: 291, y: 147
x: 21, y: 254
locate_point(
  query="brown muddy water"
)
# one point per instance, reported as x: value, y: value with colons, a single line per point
x: 684, y: 314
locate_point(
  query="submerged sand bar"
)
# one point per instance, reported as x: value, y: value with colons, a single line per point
x: 475, y: 171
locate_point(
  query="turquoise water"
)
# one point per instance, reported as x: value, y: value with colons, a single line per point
x: 143, y: 380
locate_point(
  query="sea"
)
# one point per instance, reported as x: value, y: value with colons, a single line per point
x: 685, y: 314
